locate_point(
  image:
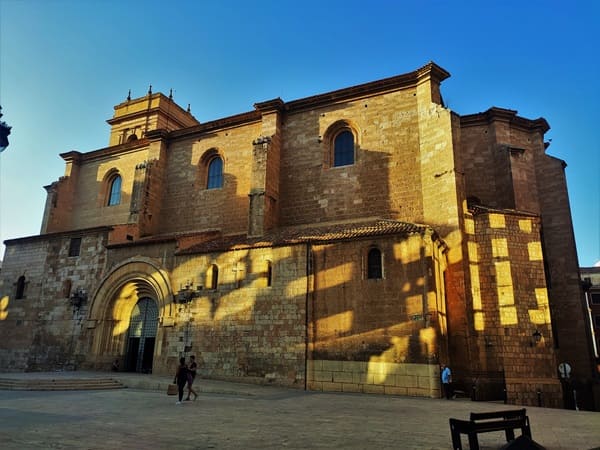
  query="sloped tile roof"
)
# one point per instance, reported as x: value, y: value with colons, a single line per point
x: 312, y: 234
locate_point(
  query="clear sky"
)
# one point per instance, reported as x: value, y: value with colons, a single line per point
x: 64, y: 64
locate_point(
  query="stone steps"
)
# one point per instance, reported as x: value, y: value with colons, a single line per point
x: 58, y: 384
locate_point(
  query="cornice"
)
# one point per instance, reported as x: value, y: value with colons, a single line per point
x: 226, y: 122
x: 146, y: 112
x: 394, y: 83
x: 270, y: 105
x: 495, y: 114
x: 142, y: 99
x: 77, y: 157
x: 477, y: 210
x: 59, y: 234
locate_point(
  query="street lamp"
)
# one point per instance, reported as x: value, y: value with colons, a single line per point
x: 78, y: 298
x: 536, y: 338
x: 4, y: 132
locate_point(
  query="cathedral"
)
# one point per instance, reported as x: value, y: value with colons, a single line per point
x: 349, y: 241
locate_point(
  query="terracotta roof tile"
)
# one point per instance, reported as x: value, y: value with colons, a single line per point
x: 312, y: 234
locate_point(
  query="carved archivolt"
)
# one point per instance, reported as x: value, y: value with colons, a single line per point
x: 116, y: 296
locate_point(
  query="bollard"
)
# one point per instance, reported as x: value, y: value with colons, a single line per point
x: 539, y: 397
x: 505, y: 396
x: 474, y: 393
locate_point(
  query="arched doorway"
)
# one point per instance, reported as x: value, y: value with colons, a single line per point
x: 115, y: 316
x: 141, y: 336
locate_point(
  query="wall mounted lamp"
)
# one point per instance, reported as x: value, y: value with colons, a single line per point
x: 187, y: 293
x: 78, y: 298
x: 536, y: 337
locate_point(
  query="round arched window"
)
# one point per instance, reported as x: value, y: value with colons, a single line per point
x: 343, y: 148
x: 114, y: 195
x: 215, y: 173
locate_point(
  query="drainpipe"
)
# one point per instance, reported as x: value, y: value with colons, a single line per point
x: 425, y: 273
x: 590, y: 320
x: 306, y: 318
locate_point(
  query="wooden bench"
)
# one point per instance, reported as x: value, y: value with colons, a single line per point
x: 506, y: 421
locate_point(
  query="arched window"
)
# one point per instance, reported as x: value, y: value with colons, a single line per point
x: 374, y: 264
x: 215, y: 173
x: 20, y: 287
x: 213, y: 276
x: 114, y: 194
x: 343, y: 148
x: 269, y: 274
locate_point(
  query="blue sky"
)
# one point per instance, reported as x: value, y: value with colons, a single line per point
x: 64, y: 64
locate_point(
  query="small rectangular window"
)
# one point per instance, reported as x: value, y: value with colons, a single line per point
x: 595, y: 298
x: 75, y: 246
x: 374, y: 264
x: 213, y: 277
x: 269, y: 274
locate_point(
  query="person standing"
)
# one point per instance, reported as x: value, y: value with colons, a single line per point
x: 191, y: 374
x: 447, y: 381
x: 181, y: 377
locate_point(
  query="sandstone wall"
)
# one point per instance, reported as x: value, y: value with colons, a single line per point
x: 42, y: 330
x: 384, y: 180
x: 390, y: 327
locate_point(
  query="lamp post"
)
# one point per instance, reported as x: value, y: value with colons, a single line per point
x: 4, y: 132
x: 564, y: 369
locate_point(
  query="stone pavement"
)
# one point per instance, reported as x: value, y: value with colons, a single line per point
x: 243, y: 416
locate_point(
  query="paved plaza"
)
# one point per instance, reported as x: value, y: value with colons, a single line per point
x: 239, y: 416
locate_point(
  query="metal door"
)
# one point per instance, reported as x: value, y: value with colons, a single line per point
x: 141, y: 336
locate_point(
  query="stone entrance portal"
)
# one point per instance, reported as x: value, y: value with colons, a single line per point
x: 125, y: 314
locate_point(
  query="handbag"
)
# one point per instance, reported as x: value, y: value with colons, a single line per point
x: 172, y: 389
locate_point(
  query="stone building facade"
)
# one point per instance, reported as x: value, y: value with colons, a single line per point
x: 347, y: 241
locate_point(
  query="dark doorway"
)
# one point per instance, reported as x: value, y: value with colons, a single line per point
x: 133, y: 347
x: 142, y: 336
x: 148, y: 355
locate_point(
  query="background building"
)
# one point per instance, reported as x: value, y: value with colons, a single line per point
x: 349, y: 241
x: 591, y: 283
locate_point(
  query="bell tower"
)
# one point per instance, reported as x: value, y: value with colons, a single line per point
x: 134, y: 118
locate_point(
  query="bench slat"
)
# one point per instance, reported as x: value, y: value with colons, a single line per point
x: 510, y: 413
x: 466, y: 426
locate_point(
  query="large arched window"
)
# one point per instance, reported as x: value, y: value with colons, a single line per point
x: 215, y: 173
x: 374, y: 264
x: 343, y: 148
x: 114, y: 193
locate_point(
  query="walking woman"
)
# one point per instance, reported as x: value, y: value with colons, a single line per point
x: 191, y: 374
x: 181, y: 377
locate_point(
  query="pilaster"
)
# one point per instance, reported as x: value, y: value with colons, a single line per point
x: 264, y: 185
